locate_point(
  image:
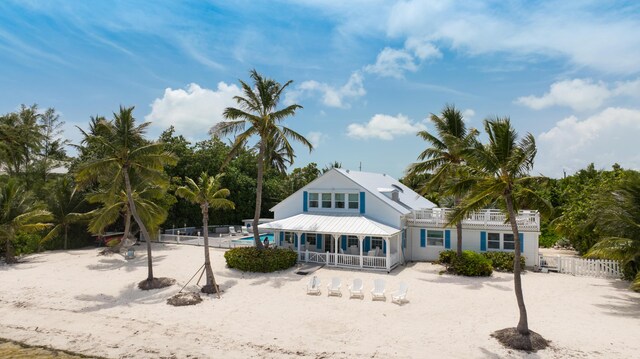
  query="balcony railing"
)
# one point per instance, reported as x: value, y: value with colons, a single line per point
x: 485, y: 219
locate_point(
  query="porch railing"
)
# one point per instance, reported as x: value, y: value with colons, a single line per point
x: 484, y: 219
x: 347, y: 260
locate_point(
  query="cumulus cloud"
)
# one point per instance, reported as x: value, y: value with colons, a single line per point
x: 331, y: 96
x: 604, y: 139
x: 392, y: 63
x: 384, y: 127
x: 316, y: 138
x: 580, y: 94
x: 468, y: 114
x: 422, y: 48
x: 193, y: 110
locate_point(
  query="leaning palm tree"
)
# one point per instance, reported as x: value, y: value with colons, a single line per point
x: 445, y: 159
x: 619, y: 220
x: 65, y: 204
x: 208, y: 194
x: 502, y: 170
x: 19, y: 212
x: 124, y: 153
x: 258, y: 115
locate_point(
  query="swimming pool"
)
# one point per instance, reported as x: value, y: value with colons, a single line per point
x: 262, y: 238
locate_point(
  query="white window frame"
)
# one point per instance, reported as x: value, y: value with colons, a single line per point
x: 439, y: 238
x: 355, y: 241
x: 308, y: 236
x: 349, y: 201
x: 501, y: 242
x: 317, y: 200
x: 289, y: 237
x: 336, y: 201
x: 377, y: 239
x: 322, y: 200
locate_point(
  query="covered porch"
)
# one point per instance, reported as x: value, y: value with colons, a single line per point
x: 347, y: 241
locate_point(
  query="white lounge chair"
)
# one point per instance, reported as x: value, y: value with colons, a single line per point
x: 245, y: 231
x: 356, y: 289
x: 400, y: 296
x: 334, y: 287
x: 377, y: 293
x: 314, y: 286
x: 232, y: 231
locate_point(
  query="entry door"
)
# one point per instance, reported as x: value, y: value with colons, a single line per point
x: 328, y: 243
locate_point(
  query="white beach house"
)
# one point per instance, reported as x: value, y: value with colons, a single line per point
x: 372, y: 221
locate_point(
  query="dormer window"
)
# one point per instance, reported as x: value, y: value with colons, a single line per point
x: 313, y: 200
x: 339, y: 200
x: 353, y: 201
x: 326, y: 200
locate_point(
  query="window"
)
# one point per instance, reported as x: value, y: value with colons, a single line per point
x: 288, y: 237
x: 508, y: 242
x: 311, y: 239
x: 313, y: 200
x: 352, y: 241
x: 501, y: 241
x: 435, y: 238
x: 376, y: 242
x: 353, y: 201
x: 494, y: 241
x: 339, y: 200
x: 326, y: 200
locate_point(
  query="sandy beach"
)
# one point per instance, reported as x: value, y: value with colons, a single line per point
x: 78, y: 301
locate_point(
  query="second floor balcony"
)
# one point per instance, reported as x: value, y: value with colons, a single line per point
x: 528, y: 221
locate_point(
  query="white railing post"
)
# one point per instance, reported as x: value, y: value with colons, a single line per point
x: 360, y: 239
x: 388, y: 254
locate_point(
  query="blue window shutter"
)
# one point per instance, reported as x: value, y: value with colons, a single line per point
x: 423, y: 238
x: 281, y: 238
x: 447, y: 239
x: 344, y: 242
x: 302, y: 237
x: 521, y: 237
x: 305, y: 197
x: 384, y: 246
x: 483, y: 241
x: 366, y: 244
x: 362, y: 206
x: 295, y: 240
x: 318, y: 241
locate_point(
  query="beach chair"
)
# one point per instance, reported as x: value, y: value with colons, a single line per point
x: 377, y: 293
x: 334, y: 287
x: 400, y: 296
x: 232, y: 231
x: 313, y: 287
x: 245, y: 231
x: 356, y: 289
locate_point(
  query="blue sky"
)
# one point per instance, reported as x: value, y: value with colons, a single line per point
x: 368, y: 73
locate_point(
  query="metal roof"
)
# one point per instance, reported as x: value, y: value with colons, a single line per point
x: 348, y: 224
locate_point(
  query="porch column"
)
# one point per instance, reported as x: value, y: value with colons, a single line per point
x: 388, y: 254
x: 335, y: 241
x: 299, y: 243
x: 361, y: 242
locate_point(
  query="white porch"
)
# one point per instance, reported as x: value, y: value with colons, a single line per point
x: 347, y: 241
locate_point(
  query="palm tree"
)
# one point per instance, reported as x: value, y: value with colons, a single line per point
x: 19, y: 212
x: 502, y: 168
x: 619, y: 220
x: 445, y: 159
x: 257, y: 115
x: 114, y: 207
x: 208, y: 194
x: 124, y: 153
x: 65, y: 202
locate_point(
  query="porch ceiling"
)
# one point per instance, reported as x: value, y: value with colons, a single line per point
x: 356, y: 225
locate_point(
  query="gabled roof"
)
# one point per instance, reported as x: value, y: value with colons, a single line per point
x: 378, y: 184
x: 347, y: 224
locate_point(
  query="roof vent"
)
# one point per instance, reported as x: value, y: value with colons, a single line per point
x: 394, y: 196
x: 347, y: 171
x: 397, y: 187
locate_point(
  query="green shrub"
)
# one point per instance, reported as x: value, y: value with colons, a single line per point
x: 251, y: 259
x: 26, y: 243
x: 446, y: 257
x: 503, y: 261
x: 471, y: 264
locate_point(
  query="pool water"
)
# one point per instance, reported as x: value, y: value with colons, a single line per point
x: 262, y: 237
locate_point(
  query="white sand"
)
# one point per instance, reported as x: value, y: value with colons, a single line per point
x: 77, y: 301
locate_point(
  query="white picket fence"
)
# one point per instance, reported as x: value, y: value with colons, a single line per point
x: 601, y: 268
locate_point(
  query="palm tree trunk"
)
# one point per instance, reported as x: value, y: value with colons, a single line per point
x: 256, y: 216
x: 143, y: 228
x: 211, y: 286
x: 66, y: 230
x: 523, y: 323
x: 9, y: 257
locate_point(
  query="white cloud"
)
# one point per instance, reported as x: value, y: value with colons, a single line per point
x: 580, y: 94
x: 605, y: 138
x: 392, y: 63
x: 193, y: 110
x: 468, y: 114
x: 316, y: 138
x: 384, y: 127
x: 422, y: 48
x: 331, y: 96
